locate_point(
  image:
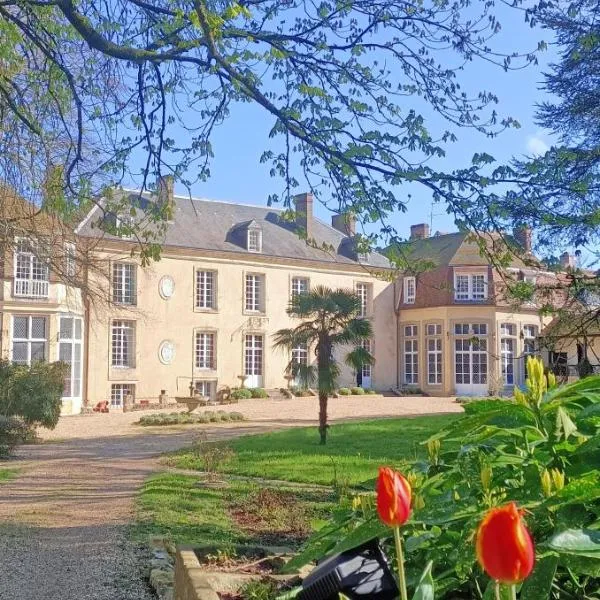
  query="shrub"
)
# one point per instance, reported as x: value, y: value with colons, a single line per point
x: 236, y: 416
x: 182, y: 418
x: 34, y: 393
x: 357, y: 391
x: 344, y: 391
x: 241, y: 394
x: 540, y: 450
x: 13, y: 431
x: 259, y: 393
x: 371, y: 392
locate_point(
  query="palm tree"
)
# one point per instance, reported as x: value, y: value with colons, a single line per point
x: 330, y: 318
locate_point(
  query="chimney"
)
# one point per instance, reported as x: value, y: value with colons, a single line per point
x: 345, y: 223
x: 165, y: 189
x: 523, y: 237
x: 304, y: 212
x: 567, y: 261
x: 419, y: 231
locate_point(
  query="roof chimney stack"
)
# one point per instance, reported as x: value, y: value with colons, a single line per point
x: 304, y: 212
x: 419, y: 231
x: 567, y: 261
x: 523, y: 236
x: 345, y: 223
x: 165, y: 187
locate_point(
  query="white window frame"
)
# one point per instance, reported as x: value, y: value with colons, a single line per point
x: 470, y: 293
x: 530, y: 334
x: 29, y: 340
x: 410, y: 290
x: 254, y: 354
x: 367, y: 369
x: 362, y: 290
x: 300, y: 355
x: 124, y: 283
x: 122, y: 344
x: 74, y: 343
x: 299, y: 285
x: 411, y: 354
x: 434, y: 347
x: 474, y: 347
x: 31, y: 274
x: 205, y: 350
x: 254, y: 240
x: 205, y: 387
x: 508, y: 353
x: 206, y: 289
x: 70, y: 259
x: 254, y: 292
x: 118, y: 393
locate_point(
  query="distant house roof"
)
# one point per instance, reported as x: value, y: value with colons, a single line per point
x: 457, y: 249
x: 214, y: 225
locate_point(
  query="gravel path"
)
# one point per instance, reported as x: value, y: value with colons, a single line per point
x: 63, y: 520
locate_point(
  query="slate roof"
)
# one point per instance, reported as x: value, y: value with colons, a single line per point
x: 455, y: 249
x: 215, y: 225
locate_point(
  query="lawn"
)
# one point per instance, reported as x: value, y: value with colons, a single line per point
x: 186, y: 509
x: 8, y: 474
x: 351, y: 456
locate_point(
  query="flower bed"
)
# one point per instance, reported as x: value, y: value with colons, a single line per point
x: 185, y: 418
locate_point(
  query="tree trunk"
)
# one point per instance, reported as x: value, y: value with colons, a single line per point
x: 323, y: 417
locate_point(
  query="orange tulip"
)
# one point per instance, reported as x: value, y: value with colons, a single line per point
x: 393, y: 497
x: 504, y: 546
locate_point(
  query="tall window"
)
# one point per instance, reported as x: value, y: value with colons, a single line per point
x: 470, y: 287
x: 362, y: 291
x: 470, y: 353
x: 300, y: 355
x: 253, y: 355
x: 529, y: 345
x: 366, y: 369
x: 254, y: 293
x: 124, y: 283
x: 254, y: 240
x: 29, y: 339
x: 122, y: 344
x: 410, y: 290
x: 70, y: 260
x: 119, y: 392
x: 411, y: 355
x: 508, y: 343
x: 205, y: 289
x: 434, y: 354
x: 31, y: 273
x: 299, y: 286
x: 69, y: 352
x: 205, y: 350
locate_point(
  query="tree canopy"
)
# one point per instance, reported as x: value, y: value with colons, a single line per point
x: 354, y: 92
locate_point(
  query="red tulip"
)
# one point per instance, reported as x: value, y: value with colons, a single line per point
x: 504, y: 546
x: 393, y: 497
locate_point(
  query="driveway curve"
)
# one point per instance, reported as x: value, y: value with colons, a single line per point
x: 64, y: 519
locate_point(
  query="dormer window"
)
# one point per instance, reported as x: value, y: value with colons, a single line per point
x: 254, y: 240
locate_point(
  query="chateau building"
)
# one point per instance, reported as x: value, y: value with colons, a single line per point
x: 203, y: 316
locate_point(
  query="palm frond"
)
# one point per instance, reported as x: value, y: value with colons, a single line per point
x: 358, y: 358
x: 355, y: 331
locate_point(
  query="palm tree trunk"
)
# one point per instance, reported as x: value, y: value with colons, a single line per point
x: 323, y: 417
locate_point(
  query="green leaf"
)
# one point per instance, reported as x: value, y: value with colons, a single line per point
x: 425, y: 588
x: 539, y: 584
x: 582, y: 542
x: 564, y: 424
x: 491, y: 595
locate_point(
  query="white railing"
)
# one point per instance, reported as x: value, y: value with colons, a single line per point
x: 31, y: 288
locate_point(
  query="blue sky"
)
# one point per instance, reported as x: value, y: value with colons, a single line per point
x: 238, y: 176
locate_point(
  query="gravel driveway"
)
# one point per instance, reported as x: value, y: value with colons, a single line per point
x: 63, y: 520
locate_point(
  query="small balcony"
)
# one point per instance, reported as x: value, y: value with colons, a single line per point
x: 30, y: 288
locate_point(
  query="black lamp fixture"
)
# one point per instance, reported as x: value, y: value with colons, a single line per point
x: 362, y: 572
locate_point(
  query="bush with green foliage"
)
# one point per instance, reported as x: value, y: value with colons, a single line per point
x: 13, y: 431
x: 357, y: 391
x: 259, y: 393
x: 241, y: 393
x: 185, y: 418
x: 371, y: 392
x: 540, y: 449
x: 33, y: 394
x: 344, y: 392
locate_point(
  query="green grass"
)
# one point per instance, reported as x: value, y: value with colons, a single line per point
x: 8, y: 474
x: 183, y: 510
x: 352, y: 455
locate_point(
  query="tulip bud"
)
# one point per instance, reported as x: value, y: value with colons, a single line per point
x: 504, y: 546
x: 546, y: 481
x: 433, y: 449
x: 486, y: 477
x: 393, y: 497
x: 418, y: 502
x: 558, y: 478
